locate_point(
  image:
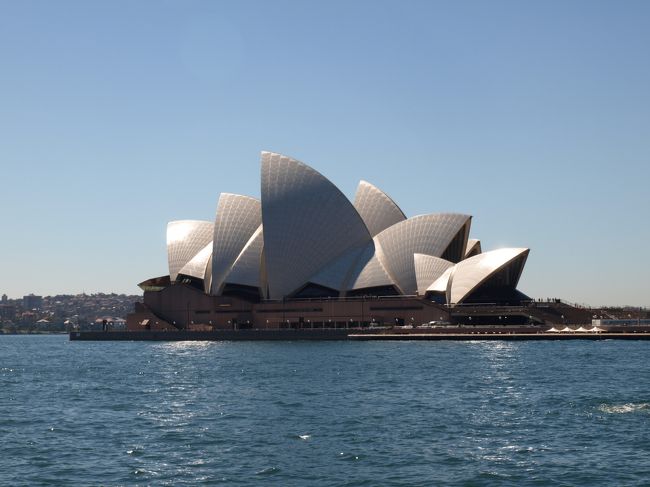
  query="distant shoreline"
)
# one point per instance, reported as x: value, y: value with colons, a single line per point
x: 34, y: 333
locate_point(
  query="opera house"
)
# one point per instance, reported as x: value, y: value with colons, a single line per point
x: 306, y: 256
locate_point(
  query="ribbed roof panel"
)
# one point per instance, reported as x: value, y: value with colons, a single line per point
x: 334, y: 275
x: 473, y: 247
x: 185, y: 238
x: 376, y: 208
x: 308, y: 223
x: 368, y: 271
x: 424, y: 234
x: 440, y: 284
x: 238, y: 217
x: 246, y: 269
x: 196, y: 267
x: 428, y: 269
x: 471, y: 273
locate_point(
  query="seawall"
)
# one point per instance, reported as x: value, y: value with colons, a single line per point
x: 345, y: 334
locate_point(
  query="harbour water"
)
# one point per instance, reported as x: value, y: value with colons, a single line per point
x: 324, y: 413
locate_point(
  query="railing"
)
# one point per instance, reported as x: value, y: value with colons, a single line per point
x: 341, y: 299
x: 557, y: 301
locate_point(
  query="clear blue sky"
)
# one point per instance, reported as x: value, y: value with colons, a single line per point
x: 118, y: 116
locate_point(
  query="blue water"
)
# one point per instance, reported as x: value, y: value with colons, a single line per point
x: 300, y: 413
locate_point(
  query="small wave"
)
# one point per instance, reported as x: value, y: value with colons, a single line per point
x: 268, y: 471
x: 299, y: 437
x: 141, y: 471
x: 630, y: 407
x: 135, y: 451
x: 350, y: 457
x: 517, y: 448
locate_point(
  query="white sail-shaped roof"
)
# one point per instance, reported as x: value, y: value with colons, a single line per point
x: 425, y: 234
x: 428, y: 269
x: 334, y: 275
x: 376, y: 208
x: 473, y: 247
x: 307, y: 221
x: 185, y: 238
x: 246, y: 269
x: 197, y: 266
x: 368, y: 271
x: 440, y: 284
x: 469, y: 274
x: 238, y: 217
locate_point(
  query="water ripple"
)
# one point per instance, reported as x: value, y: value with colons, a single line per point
x: 331, y: 414
x: 629, y: 407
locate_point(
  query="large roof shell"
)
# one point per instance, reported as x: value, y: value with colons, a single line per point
x: 368, y: 271
x: 197, y: 266
x: 246, y: 269
x: 238, y: 217
x: 335, y: 275
x: 424, y: 234
x: 308, y: 223
x: 427, y: 269
x: 440, y: 284
x: 469, y: 274
x: 376, y: 208
x: 473, y: 247
x: 185, y: 238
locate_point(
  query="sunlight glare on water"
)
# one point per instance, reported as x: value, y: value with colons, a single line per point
x: 323, y: 413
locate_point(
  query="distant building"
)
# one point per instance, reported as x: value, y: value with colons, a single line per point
x: 4, y: 299
x: 7, y: 311
x: 32, y: 302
